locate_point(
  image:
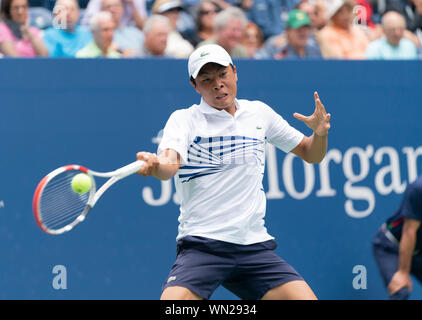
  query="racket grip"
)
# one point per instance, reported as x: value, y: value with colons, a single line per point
x: 129, y: 169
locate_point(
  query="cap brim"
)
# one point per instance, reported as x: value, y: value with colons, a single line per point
x: 168, y: 6
x: 335, y: 9
x: 300, y: 24
x: 203, y: 63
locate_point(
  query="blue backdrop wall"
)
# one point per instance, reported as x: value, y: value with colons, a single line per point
x: 100, y: 113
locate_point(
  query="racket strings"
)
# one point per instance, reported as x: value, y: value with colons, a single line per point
x: 59, y: 204
x: 54, y: 220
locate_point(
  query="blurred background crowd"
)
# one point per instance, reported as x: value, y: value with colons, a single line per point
x: 253, y: 29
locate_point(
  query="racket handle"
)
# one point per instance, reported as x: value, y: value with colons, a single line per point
x: 129, y: 169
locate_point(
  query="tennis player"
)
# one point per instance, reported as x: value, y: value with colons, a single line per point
x: 216, y: 153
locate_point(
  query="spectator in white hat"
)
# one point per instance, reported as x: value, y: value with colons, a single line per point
x: 177, y: 46
x: 340, y: 38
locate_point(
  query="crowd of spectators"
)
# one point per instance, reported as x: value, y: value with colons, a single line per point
x: 252, y: 29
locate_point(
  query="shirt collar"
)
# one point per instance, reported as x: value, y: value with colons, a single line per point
x: 204, y: 107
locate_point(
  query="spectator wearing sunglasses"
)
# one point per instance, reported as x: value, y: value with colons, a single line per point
x: 204, y: 21
x: 229, y: 28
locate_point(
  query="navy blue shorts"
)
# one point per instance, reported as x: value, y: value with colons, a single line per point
x: 248, y: 271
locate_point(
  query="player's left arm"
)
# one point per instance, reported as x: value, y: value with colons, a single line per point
x: 312, y: 149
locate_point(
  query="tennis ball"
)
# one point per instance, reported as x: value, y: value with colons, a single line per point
x: 81, y: 183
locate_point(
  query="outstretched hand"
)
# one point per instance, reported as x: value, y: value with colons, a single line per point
x: 319, y: 122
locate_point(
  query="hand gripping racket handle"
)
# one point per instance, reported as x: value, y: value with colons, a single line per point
x: 129, y: 169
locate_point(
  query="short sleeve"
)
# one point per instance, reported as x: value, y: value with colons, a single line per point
x: 50, y: 43
x: 412, y: 202
x: 176, y: 135
x: 278, y: 131
x: 371, y: 51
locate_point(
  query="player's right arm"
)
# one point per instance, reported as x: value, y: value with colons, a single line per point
x: 163, y: 167
x: 401, y: 278
x: 172, y: 150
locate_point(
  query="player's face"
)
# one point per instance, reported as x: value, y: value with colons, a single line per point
x: 217, y: 85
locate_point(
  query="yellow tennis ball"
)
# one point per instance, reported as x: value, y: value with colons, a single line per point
x: 81, y: 183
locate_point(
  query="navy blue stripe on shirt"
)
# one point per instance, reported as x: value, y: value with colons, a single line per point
x: 208, y: 155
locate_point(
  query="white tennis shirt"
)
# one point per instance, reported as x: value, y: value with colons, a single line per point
x: 219, y: 181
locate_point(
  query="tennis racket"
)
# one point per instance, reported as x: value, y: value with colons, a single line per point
x: 58, y: 209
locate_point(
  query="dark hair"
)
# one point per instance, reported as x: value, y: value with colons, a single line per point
x: 5, y: 9
x: 193, y: 80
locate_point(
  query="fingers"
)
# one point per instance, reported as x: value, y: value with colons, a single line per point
x: 318, y: 104
x: 300, y: 117
x: 398, y: 282
x: 151, y: 162
x: 319, y: 121
x: 394, y: 288
x: 328, y: 116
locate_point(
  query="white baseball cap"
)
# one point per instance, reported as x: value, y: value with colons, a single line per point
x: 206, y: 54
x: 161, y: 6
x: 333, y: 6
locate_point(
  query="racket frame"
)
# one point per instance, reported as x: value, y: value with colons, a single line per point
x: 94, y: 195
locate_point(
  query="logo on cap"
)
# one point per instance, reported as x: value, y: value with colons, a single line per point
x: 203, y: 54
